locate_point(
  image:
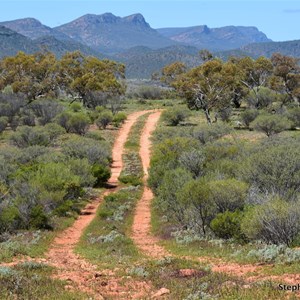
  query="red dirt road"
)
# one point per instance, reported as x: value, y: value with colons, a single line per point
x: 141, y: 229
x: 71, y: 267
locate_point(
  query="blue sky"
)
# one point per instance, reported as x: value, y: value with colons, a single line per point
x: 279, y: 19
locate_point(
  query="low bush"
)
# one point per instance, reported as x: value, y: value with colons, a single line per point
x: 26, y: 136
x: 82, y: 147
x: 119, y: 119
x: 74, y: 122
x: 3, y: 123
x: 149, y: 93
x: 78, y: 123
x: 276, y: 221
x: 104, y: 119
x: 101, y: 173
x: 175, y: 116
x: 248, y: 116
x: 271, y: 124
x: 294, y: 116
x: 227, y: 225
x: 276, y: 254
x: 209, y: 133
x: 131, y: 179
x: 46, y: 110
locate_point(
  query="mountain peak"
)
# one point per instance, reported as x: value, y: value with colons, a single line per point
x: 137, y: 19
x: 106, y: 18
x: 28, y: 22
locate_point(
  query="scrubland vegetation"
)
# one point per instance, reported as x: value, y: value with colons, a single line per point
x: 220, y: 181
x: 225, y: 167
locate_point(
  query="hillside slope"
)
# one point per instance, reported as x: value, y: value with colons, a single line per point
x: 109, y: 33
x: 215, y: 39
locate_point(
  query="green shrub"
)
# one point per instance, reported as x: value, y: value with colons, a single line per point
x: 3, y: 123
x: 227, y: 225
x: 208, y: 133
x: 63, y: 118
x: 101, y: 173
x: 38, y: 218
x: 78, y: 123
x: 148, y: 92
x: 54, y: 130
x: 95, y: 135
x: 271, y: 124
x: 74, y: 122
x: 111, y: 198
x: 228, y: 194
x: 83, y: 169
x: 275, y: 254
x: 104, y: 119
x: 175, y: 116
x: 46, y: 110
x: 294, y: 116
x: 63, y: 209
x: 275, y: 221
x: 273, y: 169
x: 195, y: 198
x: 82, y: 147
x: 9, y: 217
x: 131, y: 179
x: 26, y: 136
x: 193, y: 161
x: 167, y: 200
x: 75, y: 107
x: 166, y: 156
x: 248, y: 116
x: 119, y: 119
x: 31, y: 154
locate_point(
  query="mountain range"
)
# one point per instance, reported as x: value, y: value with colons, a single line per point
x: 131, y: 40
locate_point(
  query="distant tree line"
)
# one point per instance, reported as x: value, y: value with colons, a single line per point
x: 43, y: 75
x: 218, y: 86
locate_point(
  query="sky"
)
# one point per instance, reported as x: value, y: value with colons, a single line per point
x: 278, y: 19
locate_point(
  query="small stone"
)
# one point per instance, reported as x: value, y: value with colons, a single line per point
x: 161, y: 292
x: 96, y: 275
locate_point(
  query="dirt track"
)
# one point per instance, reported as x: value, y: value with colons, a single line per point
x: 141, y: 229
x: 70, y: 266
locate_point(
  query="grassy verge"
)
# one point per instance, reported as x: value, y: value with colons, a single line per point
x: 132, y: 172
x: 32, y: 280
x: 34, y: 243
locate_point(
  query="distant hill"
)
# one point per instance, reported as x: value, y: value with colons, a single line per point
x: 11, y: 42
x: 142, y: 62
x: 291, y: 48
x: 215, y: 39
x: 111, y: 34
x: 59, y: 47
x: 33, y: 29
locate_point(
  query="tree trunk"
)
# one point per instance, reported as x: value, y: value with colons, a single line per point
x: 207, y: 115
